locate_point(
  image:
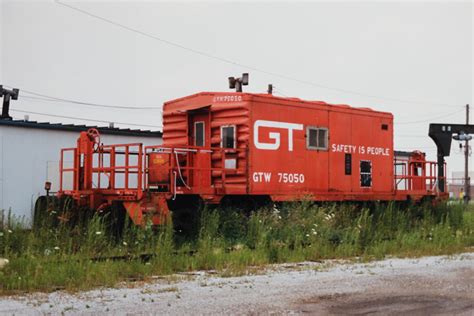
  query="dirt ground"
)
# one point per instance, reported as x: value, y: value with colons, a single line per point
x: 424, y: 286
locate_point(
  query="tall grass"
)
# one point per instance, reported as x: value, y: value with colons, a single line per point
x: 58, y: 254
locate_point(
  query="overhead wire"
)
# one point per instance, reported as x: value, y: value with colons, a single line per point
x: 225, y: 60
x: 411, y: 136
x: 45, y: 97
x: 84, y: 119
x: 431, y: 118
x: 231, y: 62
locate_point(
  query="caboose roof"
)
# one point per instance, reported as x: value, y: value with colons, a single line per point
x: 270, y: 98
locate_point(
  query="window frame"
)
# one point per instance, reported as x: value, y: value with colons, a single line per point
x: 234, y: 146
x: 317, y: 129
x: 365, y: 173
x: 203, y: 133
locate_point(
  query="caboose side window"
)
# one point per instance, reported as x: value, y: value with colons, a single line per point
x: 199, y: 134
x: 365, y: 173
x: 316, y: 138
x: 228, y: 136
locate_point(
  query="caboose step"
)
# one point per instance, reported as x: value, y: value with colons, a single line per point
x: 154, y: 208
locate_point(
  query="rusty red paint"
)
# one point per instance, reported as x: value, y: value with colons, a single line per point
x: 284, y: 148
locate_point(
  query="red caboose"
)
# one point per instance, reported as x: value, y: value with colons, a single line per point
x: 218, y: 145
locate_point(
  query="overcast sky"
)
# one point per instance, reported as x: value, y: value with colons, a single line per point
x: 413, y: 59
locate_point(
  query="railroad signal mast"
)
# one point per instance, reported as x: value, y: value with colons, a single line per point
x: 442, y: 134
x: 7, y: 96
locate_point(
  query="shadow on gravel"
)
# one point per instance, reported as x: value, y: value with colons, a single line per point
x: 373, y: 304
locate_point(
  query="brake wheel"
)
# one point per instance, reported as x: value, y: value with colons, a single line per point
x: 94, y: 135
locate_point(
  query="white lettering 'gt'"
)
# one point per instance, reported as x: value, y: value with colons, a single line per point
x: 274, y: 135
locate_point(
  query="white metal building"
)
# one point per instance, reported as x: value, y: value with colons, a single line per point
x: 30, y: 152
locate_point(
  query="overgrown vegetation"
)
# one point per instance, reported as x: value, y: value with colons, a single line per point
x: 59, y: 256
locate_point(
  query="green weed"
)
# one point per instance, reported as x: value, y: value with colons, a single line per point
x: 61, y: 254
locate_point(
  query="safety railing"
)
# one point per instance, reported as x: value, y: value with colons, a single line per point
x: 416, y: 175
x: 64, y: 170
x: 121, y: 166
x: 112, y: 169
x: 124, y: 169
x: 183, y: 167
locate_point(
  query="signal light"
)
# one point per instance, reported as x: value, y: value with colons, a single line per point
x: 15, y: 94
x: 231, y: 83
x: 47, y: 187
x: 245, y: 79
x: 237, y: 83
x: 462, y: 137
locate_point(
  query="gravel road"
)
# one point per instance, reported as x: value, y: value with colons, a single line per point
x: 423, y: 286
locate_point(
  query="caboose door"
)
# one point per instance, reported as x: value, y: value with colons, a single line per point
x: 200, y: 138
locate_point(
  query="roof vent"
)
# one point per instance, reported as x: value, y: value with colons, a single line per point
x: 111, y: 125
x: 270, y: 89
x: 26, y: 118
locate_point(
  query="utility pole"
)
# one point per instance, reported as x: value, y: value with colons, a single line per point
x: 467, y: 179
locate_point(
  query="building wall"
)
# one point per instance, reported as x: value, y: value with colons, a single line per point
x: 28, y: 157
x: 1, y: 41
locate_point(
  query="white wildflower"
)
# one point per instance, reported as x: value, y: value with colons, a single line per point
x: 10, y: 231
x: 307, y: 235
x: 125, y: 243
x: 98, y: 233
x: 3, y: 262
x: 56, y: 248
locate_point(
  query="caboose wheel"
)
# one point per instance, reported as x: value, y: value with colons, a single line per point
x: 186, y: 213
x: 46, y: 212
x: 117, y: 219
x: 40, y: 212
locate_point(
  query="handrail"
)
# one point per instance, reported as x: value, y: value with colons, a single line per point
x: 409, y: 181
x: 105, y: 163
x: 111, y: 154
x: 175, y: 169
